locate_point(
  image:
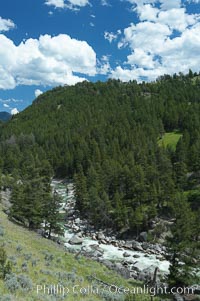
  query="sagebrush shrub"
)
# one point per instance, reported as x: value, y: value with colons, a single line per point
x: 11, y: 283
x: 25, y: 282
x: 19, y: 248
x: 7, y: 298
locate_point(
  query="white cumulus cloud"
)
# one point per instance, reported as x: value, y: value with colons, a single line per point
x: 146, y: 35
x: 45, y: 61
x: 14, y: 111
x: 6, y: 24
x: 166, y: 40
x: 71, y: 4
x: 169, y: 4
x: 38, y: 92
x: 78, y: 2
x: 147, y: 12
x: 56, y: 3
x: 165, y: 4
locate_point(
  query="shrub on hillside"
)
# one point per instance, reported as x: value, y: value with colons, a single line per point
x: 5, y: 265
x: 25, y: 282
x: 11, y: 283
x: 19, y: 248
x: 7, y: 298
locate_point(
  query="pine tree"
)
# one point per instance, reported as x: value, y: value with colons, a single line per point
x: 182, y: 245
x: 52, y: 217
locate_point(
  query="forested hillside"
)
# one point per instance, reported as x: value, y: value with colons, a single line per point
x: 108, y: 138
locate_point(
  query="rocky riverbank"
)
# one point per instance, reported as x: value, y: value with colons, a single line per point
x: 131, y: 258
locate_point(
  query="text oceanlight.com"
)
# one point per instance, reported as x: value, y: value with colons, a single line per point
x: 58, y: 289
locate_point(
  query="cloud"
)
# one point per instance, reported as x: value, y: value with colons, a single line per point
x: 70, y: 4
x: 141, y: 2
x: 6, y: 24
x: 164, y: 4
x: 177, y: 19
x: 79, y: 2
x: 110, y: 36
x: 169, y: 4
x: 142, y: 59
x: 165, y: 41
x: 147, y: 36
x: 103, y: 65
x: 105, y: 3
x: 46, y: 61
x: 9, y: 103
x: 14, y: 111
x: 38, y: 92
x: 56, y: 3
x: 6, y: 105
x: 147, y: 12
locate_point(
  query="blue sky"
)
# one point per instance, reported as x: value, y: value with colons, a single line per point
x: 46, y: 43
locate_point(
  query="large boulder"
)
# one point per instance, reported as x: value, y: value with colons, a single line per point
x: 147, y: 274
x: 107, y: 263
x: 122, y: 270
x: 76, y: 240
x: 137, y: 246
x: 128, y: 245
x: 101, y: 236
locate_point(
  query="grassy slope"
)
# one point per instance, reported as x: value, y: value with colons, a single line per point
x: 45, y: 272
x: 170, y: 139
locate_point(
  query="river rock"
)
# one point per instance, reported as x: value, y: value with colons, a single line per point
x: 147, y: 274
x: 77, y: 221
x: 137, y: 246
x: 96, y: 247
x: 125, y: 254
x: 101, y: 236
x: 136, y: 256
x: 76, y: 240
x: 159, y: 257
x: 107, y: 263
x: 133, y: 274
x: 157, y: 248
x: 122, y: 270
x: 145, y: 245
x: 128, y: 245
x: 115, y: 243
x: 76, y: 228
x: 134, y: 268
